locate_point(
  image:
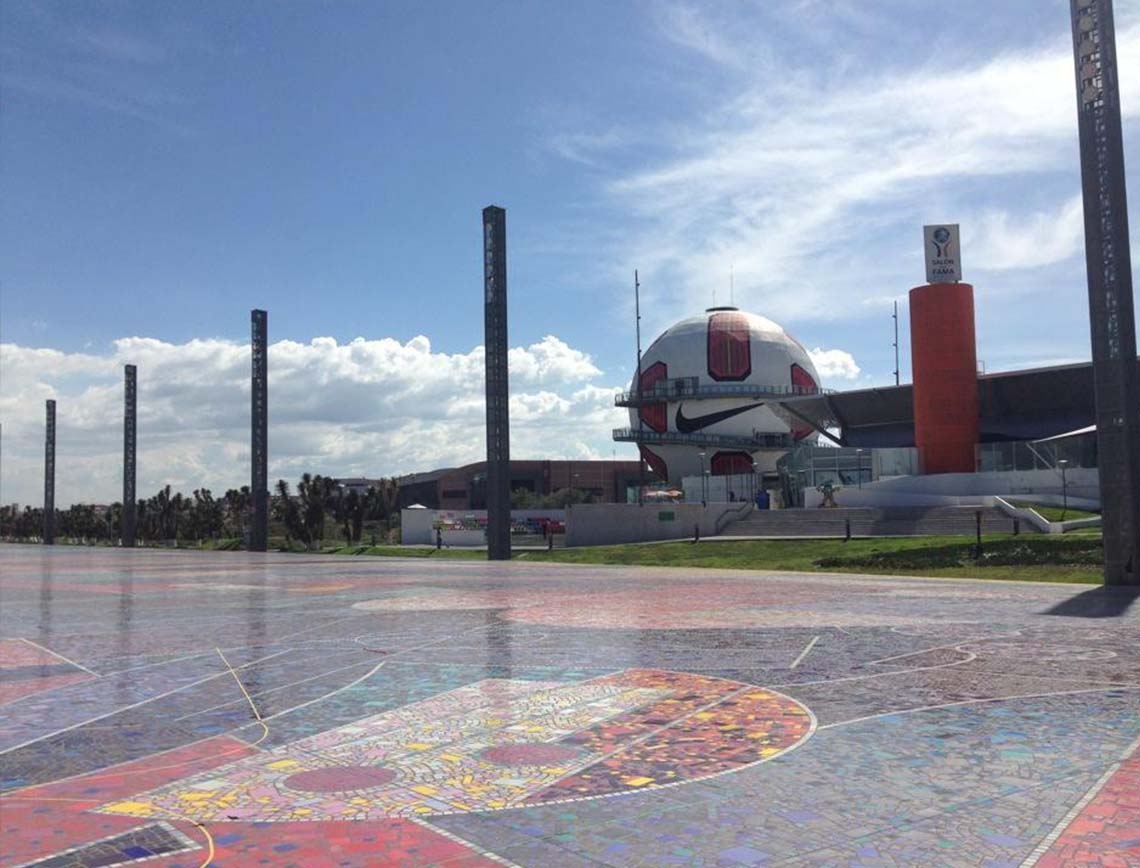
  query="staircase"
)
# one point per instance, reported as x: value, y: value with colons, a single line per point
x: 885, y: 521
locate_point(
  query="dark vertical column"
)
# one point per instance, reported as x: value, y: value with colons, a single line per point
x: 498, y: 392
x: 259, y: 433
x: 1107, y: 258
x: 49, y: 475
x: 130, y: 408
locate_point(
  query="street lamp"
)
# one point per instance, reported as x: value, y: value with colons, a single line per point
x: 703, y: 495
x: 755, y: 480
x: 1063, y: 464
x: 859, y: 466
x: 707, y: 488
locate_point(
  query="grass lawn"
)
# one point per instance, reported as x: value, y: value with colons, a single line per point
x: 460, y: 554
x: 1025, y: 558
x: 1055, y: 513
x: 1074, y: 557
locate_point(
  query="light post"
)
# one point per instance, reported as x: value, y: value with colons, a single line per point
x: 1063, y: 464
x: 708, y: 488
x: 613, y: 475
x: 701, y: 453
x: 859, y: 466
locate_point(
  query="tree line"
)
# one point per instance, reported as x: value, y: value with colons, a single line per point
x: 301, y: 518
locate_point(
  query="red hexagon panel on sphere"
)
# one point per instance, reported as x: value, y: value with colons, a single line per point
x: 729, y: 347
x: 656, y: 462
x: 804, y: 383
x: 654, y: 415
x: 731, y: 463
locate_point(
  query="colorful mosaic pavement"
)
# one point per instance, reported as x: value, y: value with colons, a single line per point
x: 188, y: 709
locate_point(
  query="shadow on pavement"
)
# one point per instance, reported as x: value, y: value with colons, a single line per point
x: 1097, y: 603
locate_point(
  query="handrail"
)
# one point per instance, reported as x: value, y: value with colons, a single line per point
x: 742, y: 441
x: 733, y: 515
x: 689, y: 387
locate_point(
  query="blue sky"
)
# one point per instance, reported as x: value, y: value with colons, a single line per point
x: 166, y: 166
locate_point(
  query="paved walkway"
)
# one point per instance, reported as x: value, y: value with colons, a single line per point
x: 185, y: 709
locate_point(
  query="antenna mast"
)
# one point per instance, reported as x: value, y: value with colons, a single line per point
x: 895, y: 317
x: 637, y: 387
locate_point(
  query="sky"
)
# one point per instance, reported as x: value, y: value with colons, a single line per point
x: 167, y: 166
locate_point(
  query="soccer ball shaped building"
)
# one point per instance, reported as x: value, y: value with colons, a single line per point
x: 703, y: 404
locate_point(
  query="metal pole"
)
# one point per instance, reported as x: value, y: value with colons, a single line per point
x: 895, y: 317
x: 701, y: 455
x: 1063, y: 464
x: 637, y: 386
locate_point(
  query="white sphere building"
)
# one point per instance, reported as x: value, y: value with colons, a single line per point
x: 704, y: 402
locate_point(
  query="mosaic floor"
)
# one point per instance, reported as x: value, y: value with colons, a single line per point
x: 190, y: 709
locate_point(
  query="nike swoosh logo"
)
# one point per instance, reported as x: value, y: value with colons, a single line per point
x: 687, y: 425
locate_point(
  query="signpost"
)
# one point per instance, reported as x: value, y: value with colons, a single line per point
x: 943, y: 253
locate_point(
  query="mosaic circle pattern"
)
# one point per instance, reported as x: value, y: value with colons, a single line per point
x: 339, y: 779
x: 549, y: 741
x: 528, y: 754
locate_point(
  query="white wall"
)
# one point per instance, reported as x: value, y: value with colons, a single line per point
x: 743, y: 485
x: 593, y: 524
x: 417, y: 526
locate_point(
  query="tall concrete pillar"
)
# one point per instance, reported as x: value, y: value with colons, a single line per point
x: 49, y: 475
x: 259, y: 432
x: 498, y: 391
x: 130, y: 499
x: 1109, y: 265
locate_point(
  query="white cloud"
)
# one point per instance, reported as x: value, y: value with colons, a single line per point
x: 834, y: 364
x: 684, y: 25
x: 811, y: 172
x: 367, y: 407
x: 586, y: 148
x: 1003, y: 241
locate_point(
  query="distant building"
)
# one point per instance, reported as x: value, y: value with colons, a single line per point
x: 465, y: 487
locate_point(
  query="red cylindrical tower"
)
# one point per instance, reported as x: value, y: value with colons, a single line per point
x: 945, y: 364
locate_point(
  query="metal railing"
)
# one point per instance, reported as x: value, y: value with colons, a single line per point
x: 730, y: 516
x: 729, y: 441
x: 690, y: 387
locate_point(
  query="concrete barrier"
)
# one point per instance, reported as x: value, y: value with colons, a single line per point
x: 599, y: 524
x: 417, y: 526
x: 1035, y: 518
x: 1029, y: 516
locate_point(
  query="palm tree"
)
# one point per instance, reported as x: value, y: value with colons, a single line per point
x: 316, y: 493
x: 286, y: 511
x: 357, y: 509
